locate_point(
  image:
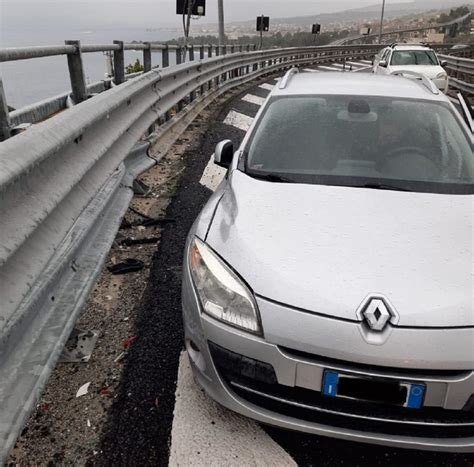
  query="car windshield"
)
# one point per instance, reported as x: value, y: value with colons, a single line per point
x: 414, y: 57
x: 373, y: 142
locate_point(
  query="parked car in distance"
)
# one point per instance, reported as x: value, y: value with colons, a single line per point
x: 461, y: 46
x: 415, y: 58
x: 327, y: 282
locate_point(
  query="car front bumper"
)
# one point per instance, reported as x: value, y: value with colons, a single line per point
x: 277, y: 380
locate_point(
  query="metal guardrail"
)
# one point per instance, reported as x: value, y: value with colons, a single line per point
x: 73, y: 50
x: 461, y: 72
x: 65, y: 184
x: 376, y: 35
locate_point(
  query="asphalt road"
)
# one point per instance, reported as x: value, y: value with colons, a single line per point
x: 141, y: 421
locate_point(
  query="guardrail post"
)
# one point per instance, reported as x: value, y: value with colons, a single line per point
x: 179, y: 56
x: 201, y: 57
x: 5, y: 123
x: 165, y: 62
x: 247, y: 49
x: 192, y: 95
x: 255, y: 67
x: 119, y: 64
x: 76, y: 73
x: 165, y: 57
x: 147, y: 57
x: 209, y: 55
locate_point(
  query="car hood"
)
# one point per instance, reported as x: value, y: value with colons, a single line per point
x: 326, y: 248
x: 430, y: 71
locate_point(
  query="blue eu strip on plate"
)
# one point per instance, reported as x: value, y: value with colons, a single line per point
x: 331, y: 379
x: 416, y: 395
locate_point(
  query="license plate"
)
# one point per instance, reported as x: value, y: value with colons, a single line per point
x: 379, y: 390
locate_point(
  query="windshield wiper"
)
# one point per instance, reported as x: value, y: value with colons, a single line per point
x: 272, y: 178
x: 383, y: 186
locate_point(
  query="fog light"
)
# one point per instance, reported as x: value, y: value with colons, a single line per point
x: 233, y: 365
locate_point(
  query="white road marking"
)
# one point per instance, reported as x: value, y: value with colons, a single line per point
x: 267, y: 86
x: 327, y: 68
x: 363, y: 68
x: 357, y: 64
x: 212, y: 175
x: 241, y: 121
x: 206, y: 434
x: 337, y: 65
x: 254, y: 99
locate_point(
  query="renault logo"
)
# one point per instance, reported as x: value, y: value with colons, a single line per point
x: 376, y: 314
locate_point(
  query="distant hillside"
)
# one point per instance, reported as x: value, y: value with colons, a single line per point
x: 393, y: 10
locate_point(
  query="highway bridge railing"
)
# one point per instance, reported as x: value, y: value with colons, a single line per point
x: 461, y: 73
x: 400, y: 33
x: 66, y: 183
x: 81, y: 91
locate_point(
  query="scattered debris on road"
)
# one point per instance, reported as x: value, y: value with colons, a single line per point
x: 82, y: 391
x: 127, y: 266
x: 79, y: 346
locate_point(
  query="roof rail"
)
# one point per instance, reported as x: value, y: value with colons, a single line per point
x: 412, y: 44
x: 424, y: 79
x: 288, y: 75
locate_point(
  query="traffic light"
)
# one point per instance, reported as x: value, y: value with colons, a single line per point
x: 199, y: 7
x: 263, y: 23
x: 316, y: 29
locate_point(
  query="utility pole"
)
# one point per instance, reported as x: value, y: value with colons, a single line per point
x: 220, y: 7
x: 381, y: 22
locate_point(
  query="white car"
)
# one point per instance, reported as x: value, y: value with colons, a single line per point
x: 412, y: 58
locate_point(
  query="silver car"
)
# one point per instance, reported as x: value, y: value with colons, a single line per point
x: 328, y: 283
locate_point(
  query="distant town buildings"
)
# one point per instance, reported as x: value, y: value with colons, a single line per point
x: 420, y: 20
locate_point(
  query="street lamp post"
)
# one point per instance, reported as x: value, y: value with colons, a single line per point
x: 381, y: 22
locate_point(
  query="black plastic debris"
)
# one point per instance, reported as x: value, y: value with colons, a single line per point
x: 126, y: 267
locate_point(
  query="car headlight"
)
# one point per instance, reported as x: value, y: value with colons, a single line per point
x: 442, y: 75
x: 221, y: 292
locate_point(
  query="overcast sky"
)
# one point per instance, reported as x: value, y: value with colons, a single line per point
x: 149, y: 13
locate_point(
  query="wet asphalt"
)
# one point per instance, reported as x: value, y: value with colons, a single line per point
x: 139, y: 426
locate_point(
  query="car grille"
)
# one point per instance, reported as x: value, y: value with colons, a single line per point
x: 255, y: 382
x: 415, y: 373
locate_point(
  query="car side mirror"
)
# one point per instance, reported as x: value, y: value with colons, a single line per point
x: 444, y: 63
x: 224, y: 154
x: 383, y: 63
